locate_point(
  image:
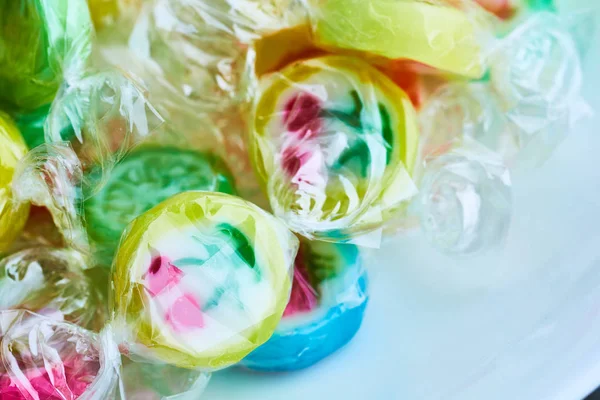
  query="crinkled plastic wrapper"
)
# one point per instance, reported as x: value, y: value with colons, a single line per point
x: 51, y: 176
x: 43, y: 41
x: 530, y: 103
x: 465, y: 198
x: 326, y: 308
x: 334, y: 142
x: 103, y: 116
x: 201, y: 280
x: 51, y: 282
x: 43, y: 358
x: 13, y: 214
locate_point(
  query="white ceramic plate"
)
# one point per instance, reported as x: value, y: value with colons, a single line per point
x: 524, y: 324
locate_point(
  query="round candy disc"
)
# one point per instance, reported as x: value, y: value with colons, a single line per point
x: 44, y: 358
x: 42, y: 42
x: 202, y: 279
x: 324, y: 312
x: 143, y: 179
x: 334, y: 141
x: 12, y: 149
x: 437, y: 35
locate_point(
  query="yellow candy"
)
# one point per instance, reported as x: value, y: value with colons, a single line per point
x: 12, y: 149
x: 440, y: 36
x: 202, y: 279
x: 334, y: 142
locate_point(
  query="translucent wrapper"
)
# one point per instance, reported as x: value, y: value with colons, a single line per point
x: 103, y: 116
x: 43, y: 41
x: 38, y: 231
x: 201, y: 280
x: 326, y: 308
x: 147, y: 381
x: 465, y: 198
x: 536, y: 71
x: 140, y: 181
x: 51, y: 176
x: 196, y: 53
x: 42, y: 358
x: 528, y: 106
x: 13, y: 214
x: 334, y: 142
x: 435, y: 33
x: 51, y: 282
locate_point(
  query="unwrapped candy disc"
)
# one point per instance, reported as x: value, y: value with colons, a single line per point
x: 334, y: 142
x: 50, y: 281
x: 201, y: 280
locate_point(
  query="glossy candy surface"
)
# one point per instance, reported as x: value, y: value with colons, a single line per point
x: 334, y: 142
x: 144, y: 178
x: 326, y: 308
x: 201, y: 280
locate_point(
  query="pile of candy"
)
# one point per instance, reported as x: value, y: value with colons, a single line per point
x: 189, y: 185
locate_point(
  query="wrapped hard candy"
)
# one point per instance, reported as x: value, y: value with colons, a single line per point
x: 43, y: 43
x: 326, y: 308
x: 334, y: 142
x: 201, y: 280
x: 52, y: 282
x: 44, y: 358
x: 465, y: 201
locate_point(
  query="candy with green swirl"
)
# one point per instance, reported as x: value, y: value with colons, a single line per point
x: 334, y: 143
x: 201, y: 280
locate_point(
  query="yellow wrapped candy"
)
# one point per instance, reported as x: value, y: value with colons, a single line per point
x: 438, y: 35
x: 201, y: 280
x: 334, y: 142
x: 12, y: 148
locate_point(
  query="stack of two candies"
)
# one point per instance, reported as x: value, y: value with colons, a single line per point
x: 146, y: 141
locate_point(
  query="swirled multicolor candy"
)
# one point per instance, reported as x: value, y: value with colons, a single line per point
x: 42, y: 42
x: 13, y: 215
x: 143, y: 179
x: 334, y: 142
x: 43, y: 358
x: 50, y: 281
x: 326, y: 308
x: 201, y: 280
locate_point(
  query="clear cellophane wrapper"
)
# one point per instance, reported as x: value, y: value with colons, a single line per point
x: 200, y: 281
x: 45, y: 358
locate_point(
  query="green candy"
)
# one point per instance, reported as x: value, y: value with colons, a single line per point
x: 32, y: 124
x: 143, y: 179
x: 41, y: 42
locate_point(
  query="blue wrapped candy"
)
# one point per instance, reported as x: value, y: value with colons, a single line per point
x: 326, y: 308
